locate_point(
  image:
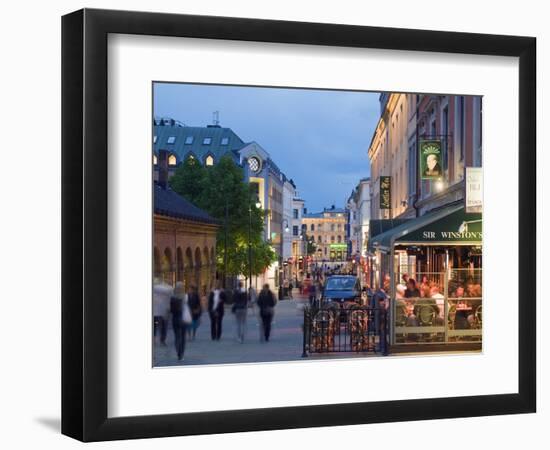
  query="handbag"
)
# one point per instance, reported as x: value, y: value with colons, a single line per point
x: 186, y: 316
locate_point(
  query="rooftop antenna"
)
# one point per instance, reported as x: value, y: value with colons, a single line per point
x: 216, y: 118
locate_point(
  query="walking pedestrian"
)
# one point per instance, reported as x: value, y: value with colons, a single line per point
x: 181, y: 318
x: 266, y: 303
x: 161, y: 309
x: 240, y: 309
x: 194, y: 303
x: 312, y: 293
x: 290, y: 287
x: 216, y: 305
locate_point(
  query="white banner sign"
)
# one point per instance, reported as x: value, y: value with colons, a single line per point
x: 474, y: 190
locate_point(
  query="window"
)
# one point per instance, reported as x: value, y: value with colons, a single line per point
x: 319, y: 239
x: 189, y: 140
x: 295, y: 230
x: 332, y: 239
x: 295, y: 213
x: 225, y: 141
x: 209, y: 160
x: 207, y: 141
x: 332, y: 227
x: 171, y: 139
x: 339, y: 239
x: 172, y: 161
x: 154, y: 139
x: 155, y: 160
x: 312, y: 227
x: 319, y: 226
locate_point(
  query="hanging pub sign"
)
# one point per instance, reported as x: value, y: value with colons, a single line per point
x: 473, y: 195
x: 430, y: 159
x: 385, y: 192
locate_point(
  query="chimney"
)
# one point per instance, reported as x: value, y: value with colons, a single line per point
x: 162, y: 162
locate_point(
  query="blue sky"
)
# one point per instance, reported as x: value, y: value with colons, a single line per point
x: 319, y: 138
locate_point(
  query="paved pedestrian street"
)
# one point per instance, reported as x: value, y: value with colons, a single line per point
x: 285, y: 343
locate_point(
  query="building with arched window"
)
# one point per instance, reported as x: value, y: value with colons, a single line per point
x: 184, y: 239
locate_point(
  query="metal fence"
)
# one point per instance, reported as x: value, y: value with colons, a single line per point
x: 345, y: 328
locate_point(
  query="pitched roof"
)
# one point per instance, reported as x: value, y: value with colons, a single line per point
x: 197, y: 146
x: 169, y: 203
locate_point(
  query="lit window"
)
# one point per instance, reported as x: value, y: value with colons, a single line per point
x: 154, y: 139
x: 172, y: 161
x: 171, y: 139
x: 209, y: 161
x: 155, y: 160
x: 225, y: 141
x: 189, y: 140
x: 207, y: 141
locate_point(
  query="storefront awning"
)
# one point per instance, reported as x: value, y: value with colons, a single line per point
x: 449, y: 226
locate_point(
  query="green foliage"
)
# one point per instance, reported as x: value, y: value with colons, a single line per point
x: 222, y: 192
x: 311, y: 246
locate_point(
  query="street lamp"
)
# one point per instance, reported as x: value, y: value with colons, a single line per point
x: 258, y: 206
x: 286, y: 226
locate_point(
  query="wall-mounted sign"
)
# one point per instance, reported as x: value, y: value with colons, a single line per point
x: 385, y: 192
x: 430, y: 159
x: 473, y: 195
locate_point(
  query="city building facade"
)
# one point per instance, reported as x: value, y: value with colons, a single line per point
x: 327, y: 229
x: 419, y: 154
x: 207, y: 145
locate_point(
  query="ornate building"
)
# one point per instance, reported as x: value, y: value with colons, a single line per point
x: 328, y: 231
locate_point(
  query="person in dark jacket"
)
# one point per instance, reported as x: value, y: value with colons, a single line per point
x: 240, y: 309
x: 194, y: 303
x: 412, y: 291
x: 177, y: 305
x: 216, y: 303
x: 266, y: 303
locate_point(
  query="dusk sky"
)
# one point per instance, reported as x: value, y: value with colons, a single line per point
x: 318, y: 138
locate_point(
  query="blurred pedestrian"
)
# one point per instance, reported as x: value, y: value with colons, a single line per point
x: 240, y: 308
x: 290, y: 287
x: 194, y: 303
x: 266, y: 303
x: 216, y: 309
x: 181, y: 318
x: 312, y: 293
x: 161, y: 309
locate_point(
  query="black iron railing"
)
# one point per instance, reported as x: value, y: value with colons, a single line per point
x: 345, y: 328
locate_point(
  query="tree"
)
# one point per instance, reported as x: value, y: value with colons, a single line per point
x: 189, y: 180
x: 221, y: 188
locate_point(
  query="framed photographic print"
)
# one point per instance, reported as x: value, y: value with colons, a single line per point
x: 273, y: 224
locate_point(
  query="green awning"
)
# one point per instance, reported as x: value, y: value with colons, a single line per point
x: 445, y: 226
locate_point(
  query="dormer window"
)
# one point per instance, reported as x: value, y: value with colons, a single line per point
x: 189, y: 140
x: 172, y: 161
x: 171, y: 139
x: 209, y: 161
x: 225, y: 141
x: 207, y: 141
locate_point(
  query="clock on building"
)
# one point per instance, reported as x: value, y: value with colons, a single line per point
x: 254, y: 164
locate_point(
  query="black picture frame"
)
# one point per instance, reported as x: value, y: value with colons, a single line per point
x: 84, y: 224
